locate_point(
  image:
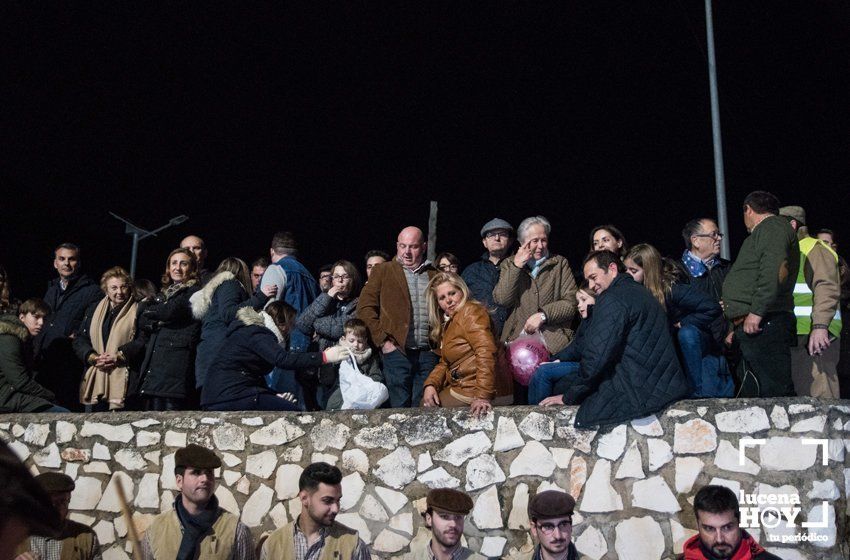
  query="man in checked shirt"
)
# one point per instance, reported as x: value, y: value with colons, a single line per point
x: 315, y: 534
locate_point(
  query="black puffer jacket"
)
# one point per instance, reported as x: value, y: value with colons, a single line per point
x: 629, y: 367
x: 171, y: 335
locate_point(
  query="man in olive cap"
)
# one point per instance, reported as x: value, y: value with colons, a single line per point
x: 444, y: 515
x: 75, y: 541
x: 197, y: 527
x: 24, y: 506
x: 551, y: 516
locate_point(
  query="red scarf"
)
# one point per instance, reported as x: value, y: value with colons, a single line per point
x: 747, y: 550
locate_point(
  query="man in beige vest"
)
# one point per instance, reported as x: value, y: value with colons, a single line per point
x: 444, y: 515
x: 75, y: 541
x: 315, y: 535
x: 197, y: 529
x: 551, y: 516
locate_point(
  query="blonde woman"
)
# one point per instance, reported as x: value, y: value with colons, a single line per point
x: 460, y: 327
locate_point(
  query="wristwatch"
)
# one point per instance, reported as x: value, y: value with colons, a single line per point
x: 543, y: 317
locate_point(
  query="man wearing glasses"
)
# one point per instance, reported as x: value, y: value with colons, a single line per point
x: 551, y: 516
x: 497, y: 236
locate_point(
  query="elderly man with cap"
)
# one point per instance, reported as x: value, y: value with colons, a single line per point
x: 497, y: 236
x: 551, y: 516
x: 444, y: 515
x: 197, y: 527
x: 75, y: 541
x: 817, y: 295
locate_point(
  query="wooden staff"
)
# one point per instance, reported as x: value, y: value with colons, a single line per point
x: 128, y: 518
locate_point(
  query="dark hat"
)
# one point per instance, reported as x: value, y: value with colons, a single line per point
x: 55, y: 483
x: 196, y: 456
x: 496, y: 223
x: 450, y: 501
x: 550, y: 504
x: 795, y: 212
x: 22, y: 497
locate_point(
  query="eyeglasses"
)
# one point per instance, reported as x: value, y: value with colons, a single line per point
x: 342, y: 277
x: 549, y: 528
x: 713, y: 235
x: 448, y: 267
x: 492, y: 234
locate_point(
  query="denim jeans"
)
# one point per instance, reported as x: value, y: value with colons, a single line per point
x: 405, y: 375
x: 693, y: 345
x: 543, y: 381
x: 54, y: 408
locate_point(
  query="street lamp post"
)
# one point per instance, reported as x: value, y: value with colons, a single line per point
x: 140, y: 233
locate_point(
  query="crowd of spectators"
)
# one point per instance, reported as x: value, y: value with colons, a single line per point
x: 637, y: 332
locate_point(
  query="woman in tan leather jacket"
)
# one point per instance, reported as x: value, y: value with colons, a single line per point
x: 460, y: 327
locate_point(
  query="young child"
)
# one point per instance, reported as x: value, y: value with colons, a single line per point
x: 356, y: 338
x: 568, y: 360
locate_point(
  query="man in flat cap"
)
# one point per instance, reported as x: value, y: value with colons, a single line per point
x: 444, y: 515
x: 316, y: 534
x: 817, y: 295
x: 197, y: 528
x: 75, y: 540
x: 551, y: 516
x: 497, y: 236
x: 25, y: 508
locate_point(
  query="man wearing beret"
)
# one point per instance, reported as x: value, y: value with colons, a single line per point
x: 75, y: 541
x: 551, y: 516
x: 197, y: 528
x: 316, y: 535
x: 444, y: 515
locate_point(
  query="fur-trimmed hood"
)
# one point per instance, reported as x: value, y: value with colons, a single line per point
x: 202, y: 299
x: 10, y: 324
x: 247, y: 316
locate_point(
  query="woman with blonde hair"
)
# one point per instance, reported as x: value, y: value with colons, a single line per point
x: 460, y: 327
x: 216, y: 304
x: 107, y: 326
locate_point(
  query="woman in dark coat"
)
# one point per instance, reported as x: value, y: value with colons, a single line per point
x: 216, y: 304
x: 256, y: 343
x: 169, y: 337
x: 326, y: 317
x: 690, y: 313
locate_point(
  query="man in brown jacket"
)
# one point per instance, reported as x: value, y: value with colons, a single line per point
x: 814, y: 361
x: 394, y: 307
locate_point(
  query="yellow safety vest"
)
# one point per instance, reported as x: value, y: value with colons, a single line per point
x: 803, y: 297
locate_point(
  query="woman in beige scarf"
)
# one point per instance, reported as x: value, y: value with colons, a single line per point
x: 108, y: 325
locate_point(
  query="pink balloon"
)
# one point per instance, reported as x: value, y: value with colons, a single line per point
x: 524, y: 355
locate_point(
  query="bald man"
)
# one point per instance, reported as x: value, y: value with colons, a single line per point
x: 394, y: 307
x: 199, y: 249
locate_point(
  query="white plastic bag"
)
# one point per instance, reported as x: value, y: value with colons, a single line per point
x: 359, y: 391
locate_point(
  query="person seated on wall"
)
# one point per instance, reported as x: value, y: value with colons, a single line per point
x: 720, y: 535
x: 629, y: 367
x: 460, y: 327
x: 75, y: 540
x: 252, y: 347
x: 355, y: 338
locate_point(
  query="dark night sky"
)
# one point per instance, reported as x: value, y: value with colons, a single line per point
x: 342, y: 124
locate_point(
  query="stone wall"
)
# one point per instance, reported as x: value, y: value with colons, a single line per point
x: 634, y: 483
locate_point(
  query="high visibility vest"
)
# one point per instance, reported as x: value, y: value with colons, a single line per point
x: 803, y: 297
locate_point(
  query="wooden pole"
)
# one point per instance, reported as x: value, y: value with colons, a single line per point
x: 128, y: 518
x: 432, y: 232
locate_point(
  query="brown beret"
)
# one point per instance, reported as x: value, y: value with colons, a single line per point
x: 196, y: 456
x: 450, y: 501
x: 55, y: 483
x: 23, y: 498
x: 550, y: 504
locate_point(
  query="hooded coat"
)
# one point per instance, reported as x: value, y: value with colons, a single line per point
x: 629, y: 367
x: 252, y: 347
x: 19, y: 391
x: 215, y: 306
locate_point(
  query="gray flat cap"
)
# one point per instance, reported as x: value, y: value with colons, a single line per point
x: 496, y: 223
